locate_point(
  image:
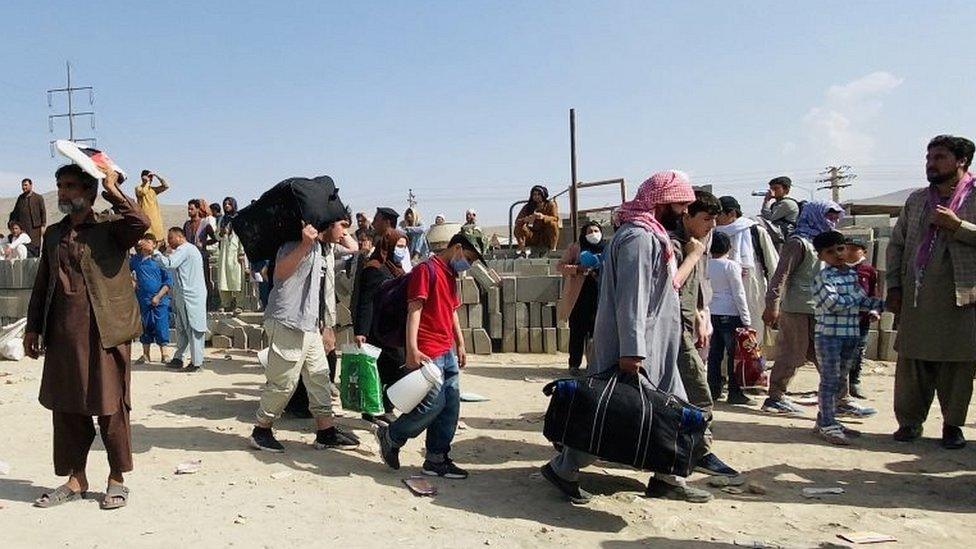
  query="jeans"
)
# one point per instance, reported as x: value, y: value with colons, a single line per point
x: 437, y: 413
x: 722, y: 347
x: 835, y: 354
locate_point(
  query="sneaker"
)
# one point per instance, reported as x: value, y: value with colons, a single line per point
x: 334, y: 438
x: 263, y: 439
x: 175, y: 364
x: 855, y: 410
x: 191, y: 368
x: 389, y: 453
x: 657, y: 488
x: 781, y: 406
x: 571, y: 490
x: 140, y: 361
x: 952, y: 438
x: 446, y: 469
x: 710, y: 464
x: 740, y: 398
x: 907, y: 433
x: 833, y: 434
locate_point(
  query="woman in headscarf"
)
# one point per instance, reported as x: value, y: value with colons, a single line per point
x: 790, y: 303
x: 537, y: 223
x: 230, y: 260
x: 416, y: 234
x: 580, y: 267
x: 383, y: 264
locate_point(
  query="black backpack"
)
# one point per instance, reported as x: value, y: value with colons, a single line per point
x: 390, y: 308
x: 617, y: 417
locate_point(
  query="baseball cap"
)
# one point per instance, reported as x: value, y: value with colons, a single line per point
x: 858, y: 241
x: 473, y: 239
x: 729, y: 203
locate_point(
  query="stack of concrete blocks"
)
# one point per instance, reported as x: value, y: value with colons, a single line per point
x: 480, y: 304
x: 876, y: 230
x: 527, y: 320
x: 236, y: 332
x: 16, y: 283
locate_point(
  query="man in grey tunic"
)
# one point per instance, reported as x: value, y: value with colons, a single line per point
x: 638, y: 318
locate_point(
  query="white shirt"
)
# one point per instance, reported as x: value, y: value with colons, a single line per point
x: 729, y: 293
x: 17, y: 248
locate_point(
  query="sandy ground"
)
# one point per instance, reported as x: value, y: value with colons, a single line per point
x: 919, y: 493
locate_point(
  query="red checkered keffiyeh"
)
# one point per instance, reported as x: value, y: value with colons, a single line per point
x: 669, y: 187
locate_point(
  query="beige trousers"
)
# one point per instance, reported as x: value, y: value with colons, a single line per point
x: 293, y: 354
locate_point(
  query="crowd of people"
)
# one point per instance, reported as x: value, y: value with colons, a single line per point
x: 665, y: 297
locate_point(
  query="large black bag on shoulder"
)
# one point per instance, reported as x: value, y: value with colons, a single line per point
x: 619, y: 418
x: 277, y: 216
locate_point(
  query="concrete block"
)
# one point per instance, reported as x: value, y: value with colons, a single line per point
x: 535, y: 315
x: 886, y: 346
x: 562, y: 337
x: 470, y: 293
x: 539, y: 289
x: 509, y: 341
x: 476, y: 316
x: 482, y: 343
x: 252, y: 318
x: 871, y: 346
x: 221, y: 342
x: 484, y: 277
x: 462, y: 313
x: 521, y: 315
x: 887, y: 321
x: 496, y: 325
x: 550, y: 341
x: 536, y: 340
x: 548, y: 316
x: 255, y: 338
x: 881, y: 251
x: 527, y: 269
x: 880, y: 221
x: 493, y: 299
x: 509, y: 289
x: 522, y: 340
x: 508, y: 316
x: 468, y: 340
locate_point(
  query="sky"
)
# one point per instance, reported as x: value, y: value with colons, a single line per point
x: 467, y: 103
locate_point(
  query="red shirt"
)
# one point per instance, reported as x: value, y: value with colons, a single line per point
x: 436, y: 334
x: 867, y: 278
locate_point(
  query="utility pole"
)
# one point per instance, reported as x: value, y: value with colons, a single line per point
x: 573, y: 198
x: 836, y: 178
x: 411, y: 199
x: 71, y: 114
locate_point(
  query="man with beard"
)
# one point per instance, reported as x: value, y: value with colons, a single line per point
x: 230, y: 260
x: 83, y: 306
x: 30, y: 213
x: 931, y: 281
x: 189, y: 298
x: 638, y: 319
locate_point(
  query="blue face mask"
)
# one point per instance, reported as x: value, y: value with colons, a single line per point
x: 460, y: 265
x: 399, y: 254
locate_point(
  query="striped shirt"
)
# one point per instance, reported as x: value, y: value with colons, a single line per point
x: 839, y: 300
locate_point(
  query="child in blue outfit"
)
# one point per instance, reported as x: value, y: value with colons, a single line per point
x: 837, y: 335
x: 153, y: 284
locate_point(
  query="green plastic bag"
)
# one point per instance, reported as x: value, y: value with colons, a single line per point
x: 359, y: 380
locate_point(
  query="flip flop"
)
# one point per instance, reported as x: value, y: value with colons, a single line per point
x: 119, y: 493
x: 62, y: 494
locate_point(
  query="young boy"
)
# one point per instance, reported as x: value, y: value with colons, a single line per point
x: 867, y: 277
x: 839, y: 300
x: 433, y: 333
x: 153, y: 286
x: 687, y: 238
x: 729, y: 312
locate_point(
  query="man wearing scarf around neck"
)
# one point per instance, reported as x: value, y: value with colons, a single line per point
x: 931, y: 281
x: 638, y: 319
x: 230, y: 260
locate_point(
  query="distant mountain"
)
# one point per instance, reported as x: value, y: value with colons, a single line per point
x: 173, y: 214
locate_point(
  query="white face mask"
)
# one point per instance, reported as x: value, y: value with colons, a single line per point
x: 594, y: 238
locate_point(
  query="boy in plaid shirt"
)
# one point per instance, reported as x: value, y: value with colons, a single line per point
x: 837, y: 336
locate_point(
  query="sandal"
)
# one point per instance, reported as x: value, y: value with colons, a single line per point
x: 62, y: 494
x: 117, y: 492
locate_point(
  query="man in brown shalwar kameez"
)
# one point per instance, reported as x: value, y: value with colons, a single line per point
x: 932, y: 288
x: 84, y: 308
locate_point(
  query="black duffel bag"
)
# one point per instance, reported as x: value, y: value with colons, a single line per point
x: 618, y: 418
x: 277, y: 216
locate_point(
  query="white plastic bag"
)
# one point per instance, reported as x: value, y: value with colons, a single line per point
x: 12, y: 349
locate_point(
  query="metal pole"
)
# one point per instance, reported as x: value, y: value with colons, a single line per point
x: 71, y: 119
x: 573, y: 203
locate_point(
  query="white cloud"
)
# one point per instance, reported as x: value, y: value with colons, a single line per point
x: 839, y: 127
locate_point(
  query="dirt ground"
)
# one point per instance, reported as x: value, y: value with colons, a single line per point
x: 919, y: 493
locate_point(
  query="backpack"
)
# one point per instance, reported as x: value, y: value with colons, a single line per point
x: 390, y: 308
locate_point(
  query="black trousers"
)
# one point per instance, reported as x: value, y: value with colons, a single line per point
x: 582, y: 321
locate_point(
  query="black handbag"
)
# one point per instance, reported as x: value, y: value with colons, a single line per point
x: 615, y: 416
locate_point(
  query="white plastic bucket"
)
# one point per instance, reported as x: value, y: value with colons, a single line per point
x: 407, y: 393
x: 263, y: 356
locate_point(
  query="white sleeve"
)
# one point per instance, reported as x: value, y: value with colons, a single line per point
x: 733, y: 272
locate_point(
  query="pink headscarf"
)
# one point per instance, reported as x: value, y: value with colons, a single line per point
x: 669, y: 187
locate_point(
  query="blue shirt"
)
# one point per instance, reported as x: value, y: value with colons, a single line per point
x: 150, y: 278
x: 839, y: 299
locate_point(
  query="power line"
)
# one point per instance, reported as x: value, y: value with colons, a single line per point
x: 836, y: 177
x: 68, y: 90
